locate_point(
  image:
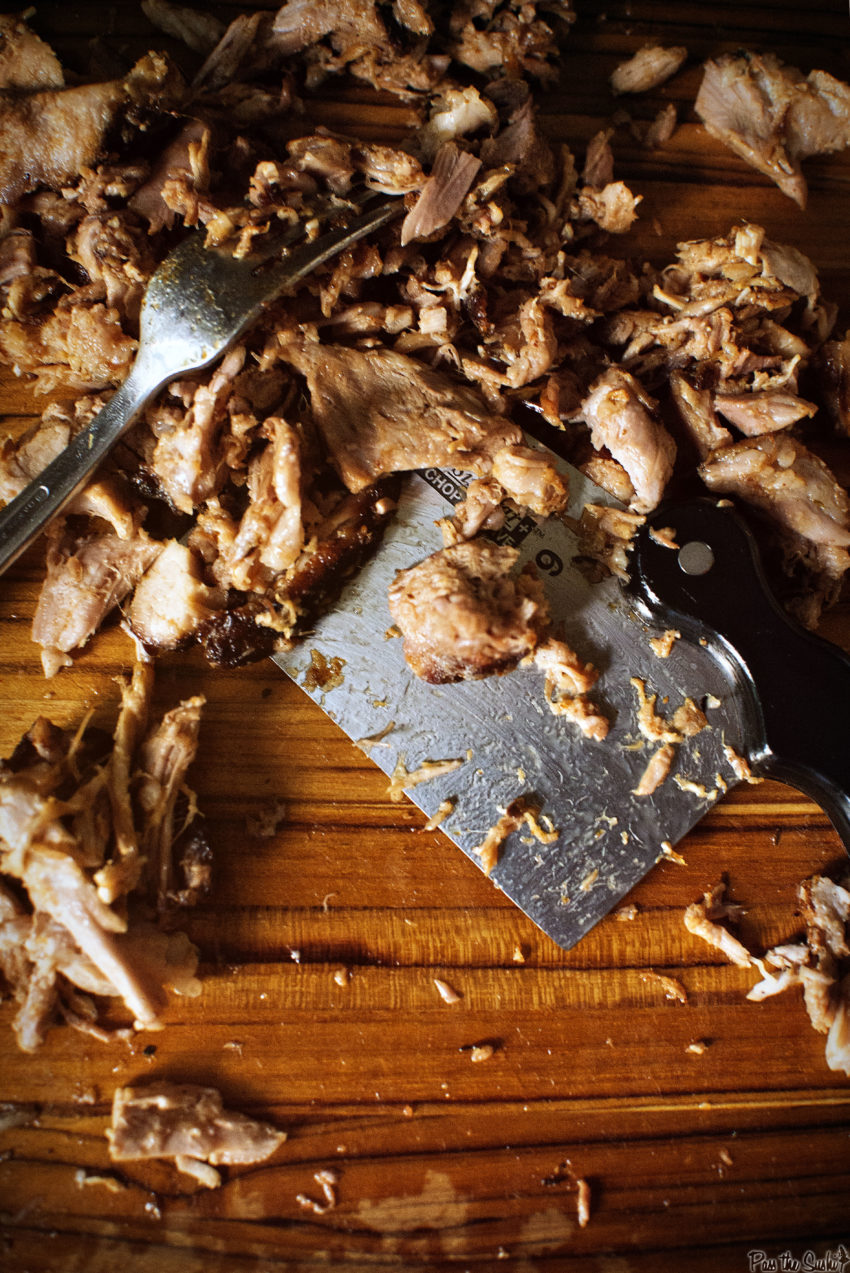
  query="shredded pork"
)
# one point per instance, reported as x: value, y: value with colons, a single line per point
x: 423, y: 346
x: 77, y: 893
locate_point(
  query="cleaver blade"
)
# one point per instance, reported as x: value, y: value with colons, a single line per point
x: 503, y: 736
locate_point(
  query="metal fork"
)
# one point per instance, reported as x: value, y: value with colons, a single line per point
x: 196, y: 304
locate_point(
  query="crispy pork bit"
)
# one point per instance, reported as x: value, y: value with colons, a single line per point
x: 618, y: 412
x: 463, y: 615
x: 773, y: 116
x: 651, y: 66
x: 382, y: 412
x: 189, y: 1124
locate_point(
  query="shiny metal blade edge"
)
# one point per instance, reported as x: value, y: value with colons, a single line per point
x: 501, y: 731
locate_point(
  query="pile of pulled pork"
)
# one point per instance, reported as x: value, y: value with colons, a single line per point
x: 99, y: 852
x: 244, y: 495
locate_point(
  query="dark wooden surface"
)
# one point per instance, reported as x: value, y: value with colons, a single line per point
x: 320, y: 945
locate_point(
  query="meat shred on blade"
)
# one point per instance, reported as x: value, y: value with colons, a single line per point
x: 78, y: 899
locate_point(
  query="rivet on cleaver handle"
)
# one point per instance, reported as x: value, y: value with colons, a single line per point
x: 794, y: 686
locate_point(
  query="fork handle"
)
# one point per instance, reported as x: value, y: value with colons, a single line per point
x: 24, y: 517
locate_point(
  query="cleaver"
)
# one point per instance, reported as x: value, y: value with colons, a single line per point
x: 776, y: 699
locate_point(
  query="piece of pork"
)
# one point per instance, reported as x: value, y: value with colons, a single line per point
x: 450, y: 181
x: 186, y: 460
x: 498, y: 38
x: 837, y: 1049
x: 618, y: 411
x: 50, y: 135
x: 243, y: 52
x: 773, y: 116
x: 26, y: 62
x: 200, y: 31
x: 352, y: 35
x: 530, y: 478
x: 116, y: 260
x: 463, y: 614
x: 164, y: 758
x: 825, y: 906
x: 698, y: 416
x: 651, y: 66
x: 271, y: 533
x: 833, y: 367
x: 299, y: 24
x: 86, y: 578
x: 78, y: 346
x: 568, y: 681
x: 699, y: 920
x: 24, y: 459
x: 456, y: 112
x: 171, y: 600
x: 598, y: 170
x: 613, y: 208
x: 768, y: 411
x: 382, y: 412
x: 779, y: 475
x: 189, y: 1124
x: 185, y: 158
x: 120, y: 874
x: 57, y: 886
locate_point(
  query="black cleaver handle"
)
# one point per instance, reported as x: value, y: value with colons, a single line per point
x: 696, y: 567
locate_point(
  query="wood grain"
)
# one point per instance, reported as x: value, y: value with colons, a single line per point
x: 321, y: 945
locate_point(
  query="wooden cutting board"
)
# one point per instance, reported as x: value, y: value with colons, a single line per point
x: 322, y: 943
